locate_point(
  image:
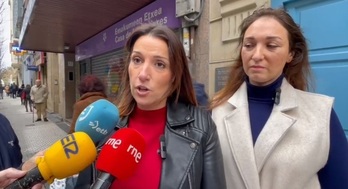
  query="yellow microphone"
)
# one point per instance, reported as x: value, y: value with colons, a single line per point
x: 64, y: 158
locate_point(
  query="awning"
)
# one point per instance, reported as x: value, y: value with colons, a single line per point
x: 58, y: 26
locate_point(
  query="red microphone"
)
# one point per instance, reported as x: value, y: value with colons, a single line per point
x: 119, y: 157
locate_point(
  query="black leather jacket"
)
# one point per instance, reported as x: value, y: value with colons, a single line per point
x: 193, y: 159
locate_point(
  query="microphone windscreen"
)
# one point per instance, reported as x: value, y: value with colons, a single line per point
x: 98, y: 119
x: 121, y: 153
x: 68, y: 156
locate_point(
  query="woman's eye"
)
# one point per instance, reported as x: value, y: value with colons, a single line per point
x: 247, y: 45
x: 272, y: 46
x: 136, y: 60
x: 160, y: 65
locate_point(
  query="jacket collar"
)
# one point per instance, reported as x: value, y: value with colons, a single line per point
x: 89, y: 94
x: 237, y: 125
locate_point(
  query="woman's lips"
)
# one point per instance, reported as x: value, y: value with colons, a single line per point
x: 142, y: 91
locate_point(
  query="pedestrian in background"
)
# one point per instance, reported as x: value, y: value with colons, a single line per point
x: 27, y: 98
x: 2, y: 88
x: 201, y: 95
x: 274, y: 134
x: 38, y: 95
x: 91, y: 89
x: 12, y: 90
x: 21, y: 94
x: 7, y: 90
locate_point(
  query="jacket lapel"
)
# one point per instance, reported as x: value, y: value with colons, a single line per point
x: 278, y: 124
x: 175, y: 165
x: 237, y: 126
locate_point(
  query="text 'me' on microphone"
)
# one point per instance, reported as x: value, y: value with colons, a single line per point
x: 98, y: 119
x: 119, y: 157
x: 64, y: 158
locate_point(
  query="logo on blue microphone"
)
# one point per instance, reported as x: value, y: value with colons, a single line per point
x: 85, y: 112
x: 98, y: 119
x: 95, y: 125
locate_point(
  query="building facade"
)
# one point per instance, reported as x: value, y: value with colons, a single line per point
x: 16, y: 11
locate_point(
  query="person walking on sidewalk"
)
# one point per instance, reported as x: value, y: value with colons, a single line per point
x: 21, y: 94
x: 1, y: 91
x: 27, y: 99
x: 38, y: 95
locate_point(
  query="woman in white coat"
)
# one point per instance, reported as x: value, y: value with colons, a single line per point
x: 274, y: 134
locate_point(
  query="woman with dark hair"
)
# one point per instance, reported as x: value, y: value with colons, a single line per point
x: 157, y: 99
x: 91, y: 89
x: 274, y: 133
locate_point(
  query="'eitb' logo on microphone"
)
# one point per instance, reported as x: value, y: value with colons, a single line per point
x: 85, y: 112
x: 69, y: 145
x: 94, y: 124
x: 132, y: 150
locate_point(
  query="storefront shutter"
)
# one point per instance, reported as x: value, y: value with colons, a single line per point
x: 109, y: 68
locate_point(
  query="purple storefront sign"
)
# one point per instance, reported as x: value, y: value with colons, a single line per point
x: 160, y: 11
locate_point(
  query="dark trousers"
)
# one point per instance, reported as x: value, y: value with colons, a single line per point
x: 28, y: 102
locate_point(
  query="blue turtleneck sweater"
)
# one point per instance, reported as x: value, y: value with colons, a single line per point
x: 261, y: 102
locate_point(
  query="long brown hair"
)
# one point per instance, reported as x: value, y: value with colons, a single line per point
x: 182, y: 89
x: 297, y: 72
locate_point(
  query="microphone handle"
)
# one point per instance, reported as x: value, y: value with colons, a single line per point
x: 104, y: 181
x: 29, y: 180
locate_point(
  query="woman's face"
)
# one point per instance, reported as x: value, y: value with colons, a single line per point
x: 149, y: 73
x: 265, y: 51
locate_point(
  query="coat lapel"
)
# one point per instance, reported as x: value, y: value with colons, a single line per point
x: 249, y: 158
x: 237, y: 126
x: 279, y: 122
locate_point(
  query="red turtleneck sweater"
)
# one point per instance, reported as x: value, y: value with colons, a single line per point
x: 148, y: 174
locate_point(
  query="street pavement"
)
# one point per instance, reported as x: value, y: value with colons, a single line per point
x: 33, y: 136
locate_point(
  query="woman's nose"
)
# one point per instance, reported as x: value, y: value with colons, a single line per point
x: 144, y: 73
x: 258, y: 53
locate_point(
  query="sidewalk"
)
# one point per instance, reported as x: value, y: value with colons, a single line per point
x: 32, y: 136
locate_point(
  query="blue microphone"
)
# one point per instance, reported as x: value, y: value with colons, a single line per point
x: 98, y: 119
